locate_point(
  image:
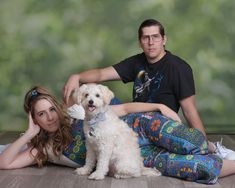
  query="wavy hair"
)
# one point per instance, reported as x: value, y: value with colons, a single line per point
x: 60, y: 139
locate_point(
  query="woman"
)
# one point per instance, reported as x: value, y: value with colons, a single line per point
x: 50, y: 134
x: 50, y: 137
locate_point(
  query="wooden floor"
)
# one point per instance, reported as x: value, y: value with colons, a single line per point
x: 52, y: 176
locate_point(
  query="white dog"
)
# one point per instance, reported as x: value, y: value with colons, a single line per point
x: 111, y: 145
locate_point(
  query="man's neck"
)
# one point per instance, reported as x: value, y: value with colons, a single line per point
x: 155, y: 60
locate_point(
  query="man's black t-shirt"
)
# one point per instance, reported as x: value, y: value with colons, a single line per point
x: 167, y: 81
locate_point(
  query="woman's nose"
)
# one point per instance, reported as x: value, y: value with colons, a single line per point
x: 49, y: 116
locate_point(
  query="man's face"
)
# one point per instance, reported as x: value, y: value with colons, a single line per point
x: 152, y: 43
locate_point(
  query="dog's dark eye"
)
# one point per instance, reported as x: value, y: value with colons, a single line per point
x: 86, y: 95
x: 97, y: 95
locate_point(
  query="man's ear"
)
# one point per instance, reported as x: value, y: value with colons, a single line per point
x: 164, y: 40
x: 106, y: 93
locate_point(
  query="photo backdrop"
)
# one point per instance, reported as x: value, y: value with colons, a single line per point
x: 43, y: 42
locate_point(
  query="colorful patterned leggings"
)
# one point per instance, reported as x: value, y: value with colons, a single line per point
x: 172, y: 148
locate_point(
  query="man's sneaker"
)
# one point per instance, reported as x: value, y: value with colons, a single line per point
x: 224, y: 152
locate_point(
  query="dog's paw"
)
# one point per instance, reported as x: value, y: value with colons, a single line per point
x: 76, y: 112
x: 82, y: 171
x: 96, y: 176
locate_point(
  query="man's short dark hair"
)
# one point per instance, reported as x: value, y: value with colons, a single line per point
x: 148, y: 23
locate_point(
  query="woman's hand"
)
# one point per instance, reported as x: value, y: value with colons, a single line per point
x: 166, y: 111
x: 33, y: 128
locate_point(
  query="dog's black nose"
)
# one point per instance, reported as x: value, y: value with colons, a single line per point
x: 90, y: 101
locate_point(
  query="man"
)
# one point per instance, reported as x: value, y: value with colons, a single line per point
x: 158, y: 76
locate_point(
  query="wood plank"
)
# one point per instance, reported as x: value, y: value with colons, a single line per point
x: 140, y: 182
x: 227, y: 182
x: 164, y: 181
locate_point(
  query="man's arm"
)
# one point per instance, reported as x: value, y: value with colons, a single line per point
x: 191, y: 114
x: 90, y: 76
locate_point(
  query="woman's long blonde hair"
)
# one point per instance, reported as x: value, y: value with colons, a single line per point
x: 61, y: 138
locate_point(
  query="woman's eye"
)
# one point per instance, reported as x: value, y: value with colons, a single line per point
x: 97, y: 95
x: 40, y: 114
x: 53, y: 109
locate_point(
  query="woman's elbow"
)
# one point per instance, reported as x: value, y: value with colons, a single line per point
x: 4, y: 165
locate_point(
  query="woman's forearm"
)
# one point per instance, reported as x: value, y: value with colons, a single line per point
x: 135, y: 107
x: 141, y: 107
x: 13, y: 150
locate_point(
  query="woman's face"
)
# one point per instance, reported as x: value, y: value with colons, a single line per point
x: 45, y: 116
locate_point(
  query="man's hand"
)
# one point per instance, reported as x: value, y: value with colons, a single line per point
x: 70, y: 86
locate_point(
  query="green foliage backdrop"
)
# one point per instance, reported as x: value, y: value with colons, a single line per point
x: 43, y: 42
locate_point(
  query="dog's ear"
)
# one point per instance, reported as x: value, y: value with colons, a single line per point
x: 106, y: 93
x: 77, y: 94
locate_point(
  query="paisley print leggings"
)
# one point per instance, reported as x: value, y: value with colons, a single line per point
x: 173, y: 148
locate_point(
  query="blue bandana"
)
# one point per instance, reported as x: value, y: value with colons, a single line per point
x: 92, y: 122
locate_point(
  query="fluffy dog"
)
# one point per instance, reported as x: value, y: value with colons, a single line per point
x: 111, y: 145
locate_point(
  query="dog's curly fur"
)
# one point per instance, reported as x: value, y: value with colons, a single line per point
x: 111, y: 145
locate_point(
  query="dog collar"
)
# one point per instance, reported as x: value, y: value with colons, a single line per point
x: 99, y: 117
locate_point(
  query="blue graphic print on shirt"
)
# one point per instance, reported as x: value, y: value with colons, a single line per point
x: 144, y: 83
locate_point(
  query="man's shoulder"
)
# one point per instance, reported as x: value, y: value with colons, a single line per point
x: 139, y: 57
x: 176, y: 61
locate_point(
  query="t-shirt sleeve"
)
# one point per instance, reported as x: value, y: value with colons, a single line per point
x: 126, y: 69
x: 183, y: 81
